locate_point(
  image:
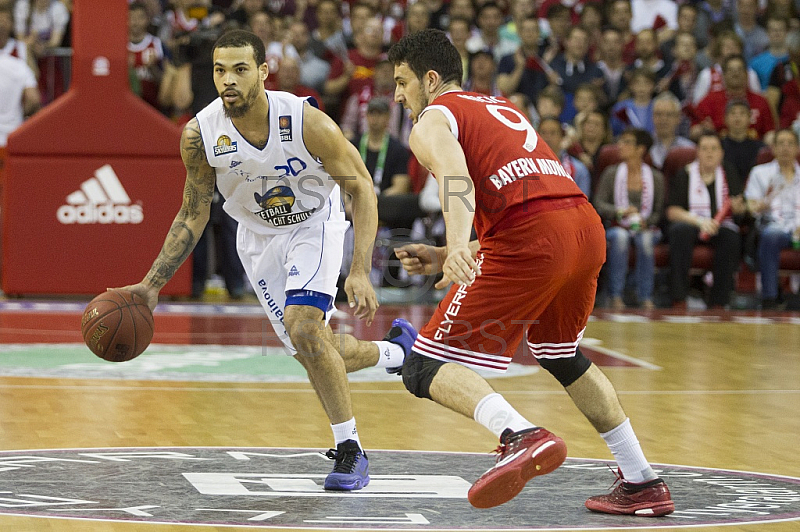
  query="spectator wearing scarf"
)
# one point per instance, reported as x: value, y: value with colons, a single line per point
x: 630, y: 200
x: 703, y: 198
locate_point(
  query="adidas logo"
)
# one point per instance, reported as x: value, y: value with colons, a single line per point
x: 293, y: 271
x: 101, y: 199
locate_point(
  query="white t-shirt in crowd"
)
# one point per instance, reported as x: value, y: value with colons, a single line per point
x: 15, y: 77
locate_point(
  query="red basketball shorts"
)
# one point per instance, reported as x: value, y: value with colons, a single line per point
x: 538, y: 275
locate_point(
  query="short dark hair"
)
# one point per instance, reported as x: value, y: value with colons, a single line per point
x: 243, y: 39
x: 552, y: 119
x: 364, y: 5
x: 641, y: 136
x: 481, y: 53
x: 737, y: 102
x: 556, y: 10
x: 465, y: 20
x: 426, y: 50
x: 573, y: 29
x: 593, y: 6
x: 552, y: 93
x: 487, y: 5
x: 707, y: 133
x: 790, y: 131
x: 687, y: 6
x: 643, y: 72
x: 734, y: 57
x: 133, y: 6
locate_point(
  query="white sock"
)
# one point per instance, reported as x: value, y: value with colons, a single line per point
x: 625, y: 447
x: 494, y: 413
x: 389, y: 355
x: 346, y: 431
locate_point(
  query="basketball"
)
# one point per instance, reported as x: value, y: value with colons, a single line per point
x: 117, y: 325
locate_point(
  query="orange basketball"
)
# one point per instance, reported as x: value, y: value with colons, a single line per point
x: 117, y: 325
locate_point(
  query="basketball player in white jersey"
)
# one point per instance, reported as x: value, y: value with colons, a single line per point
x: 280, y: 162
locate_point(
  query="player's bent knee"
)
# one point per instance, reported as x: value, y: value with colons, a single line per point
x: 418, y: 373
x: 306, y: 330
x: 566, y: 370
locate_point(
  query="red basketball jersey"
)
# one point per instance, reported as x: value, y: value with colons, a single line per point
x: 145, y: 53
x: 508, y: 163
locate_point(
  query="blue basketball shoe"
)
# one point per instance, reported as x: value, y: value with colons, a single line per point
x: 403, y: 334
x: 351, y: 470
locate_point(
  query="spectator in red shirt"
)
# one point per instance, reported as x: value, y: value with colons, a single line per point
x: 350, y: 78
x: 620, y: 16
x: 145, y: 53
x: 783, y: 91
x: 418, y: 18
x: 710, y: 112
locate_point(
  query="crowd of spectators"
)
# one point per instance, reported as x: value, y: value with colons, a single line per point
x: 633, y: 80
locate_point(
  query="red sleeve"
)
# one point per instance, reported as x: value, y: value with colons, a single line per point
x: 765, y: 122
x: 659, y: 22
x: 337, y: 68
x: 543, y: 8
x: 417, y: 173
x: 701, y: 111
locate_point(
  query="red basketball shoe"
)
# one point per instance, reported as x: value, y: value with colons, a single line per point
x: 522, y: 455
x: 648, y: 499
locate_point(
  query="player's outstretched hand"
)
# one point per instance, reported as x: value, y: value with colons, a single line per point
x: 459, y: 267
x: 148, y: 293
x: 421, y: 259
x: 361, y: 296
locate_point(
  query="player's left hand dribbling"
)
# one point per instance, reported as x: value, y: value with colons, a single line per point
x: 361, y: 296
x: 459, y: 267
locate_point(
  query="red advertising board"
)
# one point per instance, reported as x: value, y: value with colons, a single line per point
x: 79, y: 225
x: 94, y: 180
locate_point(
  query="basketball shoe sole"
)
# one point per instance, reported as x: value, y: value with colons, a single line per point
x: 540, y: 452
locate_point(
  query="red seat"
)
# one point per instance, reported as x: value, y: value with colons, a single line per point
x: 764, y: 155
x: 676, y: 159
x: 790, y: 260
x: 607, y: 155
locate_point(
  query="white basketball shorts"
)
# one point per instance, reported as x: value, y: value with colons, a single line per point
x: 307, y: 258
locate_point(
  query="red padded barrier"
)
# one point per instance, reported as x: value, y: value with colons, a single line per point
x: 93, y: 181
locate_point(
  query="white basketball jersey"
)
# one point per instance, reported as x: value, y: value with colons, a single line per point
x: 275, y: 189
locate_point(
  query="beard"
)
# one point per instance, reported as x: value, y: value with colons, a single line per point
x: 422, y: 103
x: 243, y: 106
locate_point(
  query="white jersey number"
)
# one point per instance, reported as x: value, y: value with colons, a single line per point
x: 531, y: 138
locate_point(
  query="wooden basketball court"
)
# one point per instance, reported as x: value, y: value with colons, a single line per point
x: 715, y: 390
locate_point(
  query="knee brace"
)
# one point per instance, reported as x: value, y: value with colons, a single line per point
x: 418, y: 373
x: 566, y: 370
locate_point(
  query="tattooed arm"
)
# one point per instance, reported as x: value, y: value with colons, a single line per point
x: 191, y: 219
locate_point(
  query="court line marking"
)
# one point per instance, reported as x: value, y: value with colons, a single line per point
x: 92, y: 387
x: 594, y: 343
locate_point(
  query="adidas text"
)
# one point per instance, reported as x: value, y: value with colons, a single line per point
x: 103, y: 214
x: 100, y: 199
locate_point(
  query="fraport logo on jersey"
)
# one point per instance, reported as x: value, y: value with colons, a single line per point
x: 285, y: 128
x: 224, y: 145
x: 101, y: 200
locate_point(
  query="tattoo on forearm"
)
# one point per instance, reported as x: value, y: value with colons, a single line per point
x: 177, y: 247
x: 198, y: 192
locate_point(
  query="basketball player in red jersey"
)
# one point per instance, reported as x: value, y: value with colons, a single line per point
x: 533, y: 267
